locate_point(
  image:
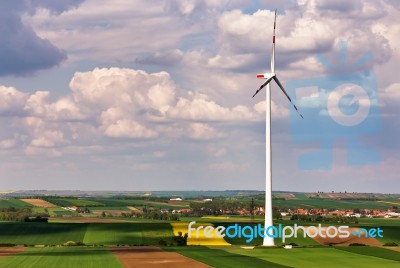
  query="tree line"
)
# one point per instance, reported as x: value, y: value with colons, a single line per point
x: 24, y: 214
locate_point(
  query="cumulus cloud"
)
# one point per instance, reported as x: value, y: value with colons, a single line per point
x: 201, y: 131
x: 117, y: 124
x: 118, y: 103
x: 314, y: 27
x: 22, y: 51
x: 11, y: 101
x: 200, y: 107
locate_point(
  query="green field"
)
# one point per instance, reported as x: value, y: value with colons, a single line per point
x: 69, y: 202
x: 55, y: 211
x: 322, y: 256
x: 109, y: 208
x: 13, y: 202
x: 128, y: 233
x: 150, y: 233
x: 139, y: 203
x: 329, y: 204
x: 143, y: 232
x: 300, y: 240
x: 234, y: 256
x: 64, y: 257
x: 218, y: 257
x: 103, y: 202
x: 33, y: 233
x: 373, y: 251
x: 89, y: 233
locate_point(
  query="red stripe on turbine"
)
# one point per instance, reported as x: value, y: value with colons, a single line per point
x: 273, y: 39
x: 260, y: 76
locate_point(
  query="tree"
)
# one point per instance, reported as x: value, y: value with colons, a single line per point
x: 252, y: 208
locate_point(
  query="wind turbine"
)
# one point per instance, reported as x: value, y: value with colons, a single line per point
x: 269, y: 241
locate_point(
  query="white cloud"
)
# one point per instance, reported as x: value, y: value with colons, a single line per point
x: 11, y: 100
x: 311, y: 30
x: 391, y: 94
x: 105, y: 30
x: 7, y: 144
x: 117, y: 124
x: 120, y: 103
x: 200, y: 131
x: 133, y: 119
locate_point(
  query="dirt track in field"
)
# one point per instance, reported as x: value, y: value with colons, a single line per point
x: 39, y: 203
x: 394, y: 248
x: 7, y: 251
x: 337, y: 241
x: 153, y: 257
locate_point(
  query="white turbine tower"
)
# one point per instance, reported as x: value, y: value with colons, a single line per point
x: 269, y: 241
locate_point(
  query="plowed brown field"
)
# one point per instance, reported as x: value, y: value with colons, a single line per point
x: 39, y: 203
x: 153, y: 257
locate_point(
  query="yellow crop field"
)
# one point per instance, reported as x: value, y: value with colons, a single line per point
x: 202, y: 239
x: 386, y: 202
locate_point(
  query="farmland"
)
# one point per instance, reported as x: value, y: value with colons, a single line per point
x: 324, y: 257
x: 232, y: 256
x: 13, y: 202
x: 41, y: 233
x: 38, y: 202
x: 330, y: 204
x: 100, y: 202
x: 128, y: 234
x: 115, y: 232
x: 62, y: 257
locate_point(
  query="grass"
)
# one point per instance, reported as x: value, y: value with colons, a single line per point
x: 373, y: 251
x: 139, y: 203
x: 68, y: 202
x: 13, y: 202
x: 41, y: 233
x: 128, y: 233
x: 222, y: 259
x: 379, y: 221
x: 330, y: 204
x: 99, y: 202
x: 89, y: 233
x: 64, y: 257
x: 390, y: 227
x: 63, y: 213
x: 301, y: 196
x: 109, y: 208
x: 300, y: 240
x: 56, y: 211
x: 310, y: 257
x: 390, y: 234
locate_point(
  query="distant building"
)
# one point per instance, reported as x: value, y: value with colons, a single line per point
x: 175, y: 199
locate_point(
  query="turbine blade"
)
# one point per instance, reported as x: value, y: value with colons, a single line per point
x: 263, y: 85
x: 284, y: 92
x: 273, y: 47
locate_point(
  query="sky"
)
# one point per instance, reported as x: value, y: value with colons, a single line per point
x: 157, y: 95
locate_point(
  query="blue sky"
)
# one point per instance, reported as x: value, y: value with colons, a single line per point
x: 156, y: 95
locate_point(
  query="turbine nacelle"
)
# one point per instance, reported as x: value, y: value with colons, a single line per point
x: 272, y: 75
x: 265, y: 75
